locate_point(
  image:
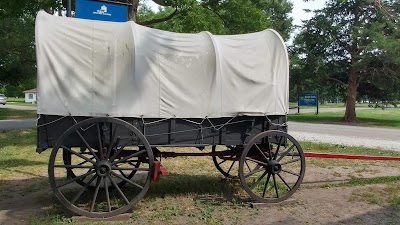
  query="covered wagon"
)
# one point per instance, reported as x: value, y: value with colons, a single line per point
x: 111, y: 94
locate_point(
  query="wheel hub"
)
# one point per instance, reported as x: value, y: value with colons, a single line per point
x: 274, y: 167
x: 103, y: 168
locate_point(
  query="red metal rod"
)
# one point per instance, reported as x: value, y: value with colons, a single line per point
x: 346, y: 156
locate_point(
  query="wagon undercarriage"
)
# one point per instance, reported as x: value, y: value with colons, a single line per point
x: 101, y: 167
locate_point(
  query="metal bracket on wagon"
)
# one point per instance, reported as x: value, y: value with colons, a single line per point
x: 159, y: 170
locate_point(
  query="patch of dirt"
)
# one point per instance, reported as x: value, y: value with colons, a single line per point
x: 311, y: 204
x: 18, y: 209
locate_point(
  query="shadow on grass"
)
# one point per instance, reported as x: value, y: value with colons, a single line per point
x: 385, y: 215
x: 32, y: 199
x: 213, y: 188
x: 10, y: 163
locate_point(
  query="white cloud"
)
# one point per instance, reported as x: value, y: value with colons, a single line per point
x: 298, y: 14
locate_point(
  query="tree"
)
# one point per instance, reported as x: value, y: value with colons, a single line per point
x: 222, y: 17
x: 349, y: 42
x: 17, y: 49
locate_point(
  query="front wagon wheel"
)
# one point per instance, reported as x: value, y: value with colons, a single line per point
x: 272, y: 167
x: 106, y: 153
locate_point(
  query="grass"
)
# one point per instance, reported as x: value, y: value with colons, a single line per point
x: 8, y: 114
x: 20, y: 166
x: 19, y: 101
x: 193, y: 193
x: 372, y: 117
x: 379, y: 194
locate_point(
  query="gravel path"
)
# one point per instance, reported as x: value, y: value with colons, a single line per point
x: 382, y: 138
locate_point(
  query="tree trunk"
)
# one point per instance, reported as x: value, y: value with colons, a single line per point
x: 352, y: 84
x: 132, y: 10
x: 350, y: 115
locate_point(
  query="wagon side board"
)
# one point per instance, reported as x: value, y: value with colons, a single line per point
x: 167, y: 132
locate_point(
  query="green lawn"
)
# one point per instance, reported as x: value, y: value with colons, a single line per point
x: 19, y: 101
x: 8, y: 114
x: 389, y: 117
x: 329, y: 105
x: 192, y: 191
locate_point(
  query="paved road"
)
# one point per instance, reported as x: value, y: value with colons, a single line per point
x: 21, y: 107
x: 17, y: 124
x: 382, y: 138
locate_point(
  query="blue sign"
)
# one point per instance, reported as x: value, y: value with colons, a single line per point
x: 308, y: 100
x: 98, y: 10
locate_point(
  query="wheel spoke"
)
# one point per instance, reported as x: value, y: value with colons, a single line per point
x: 107, y: 194
x: 124, y: 168
x: 73, y: 166
x: 253, y: 172
x: 258, y: 180
x: 248, y: 167
x: 276, y: 188
x: 79, y: 164
x: 127, y: 180
x: 222, y: 162
x: 118, y: 189
x: 266, y: 184
x: 117, y: 153
x: 287, y: 185
x: 269, y: 148
x: 291, y: 173
x: 231, y: 167
x: 76, y: 178
x: 262, y: 153
x: 291, y: 161
x: 87, y: 145
x: 100, y: 142
x: 256, y: 161
x: 114, y: 136
x: 83, y: 189
x: 129, y: 156
x: 98, y: 182
x: 77, y: 154
x: 277, y: 148
x: 285, y: 153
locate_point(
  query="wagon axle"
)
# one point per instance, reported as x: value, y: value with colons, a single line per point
x: 103, y: 168
x: 273, y: 167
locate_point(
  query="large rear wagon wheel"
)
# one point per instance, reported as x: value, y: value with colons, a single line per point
x: 89, y: 184
x: 272, y: 167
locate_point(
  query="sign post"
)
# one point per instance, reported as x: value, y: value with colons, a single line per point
x: 101, y: 10
x: 307, y: 100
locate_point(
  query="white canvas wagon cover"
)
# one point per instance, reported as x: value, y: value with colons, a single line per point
x: 96, y: 68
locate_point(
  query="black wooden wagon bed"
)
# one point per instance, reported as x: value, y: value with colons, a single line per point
x: 105, y: 128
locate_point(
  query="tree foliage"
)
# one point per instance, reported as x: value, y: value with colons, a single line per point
x: 223, y: 17
x: 354, y: 43
x: 17, y: 50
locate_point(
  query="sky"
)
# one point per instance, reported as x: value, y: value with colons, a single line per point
x: 298, y: 13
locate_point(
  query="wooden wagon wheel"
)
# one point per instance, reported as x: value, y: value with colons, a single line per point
x: 68, y: 157
x: 98, y: 169
x: 228, y: 165
x: 272, y: 166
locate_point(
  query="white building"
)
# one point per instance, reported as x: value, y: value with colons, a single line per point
x: 30, y: 95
